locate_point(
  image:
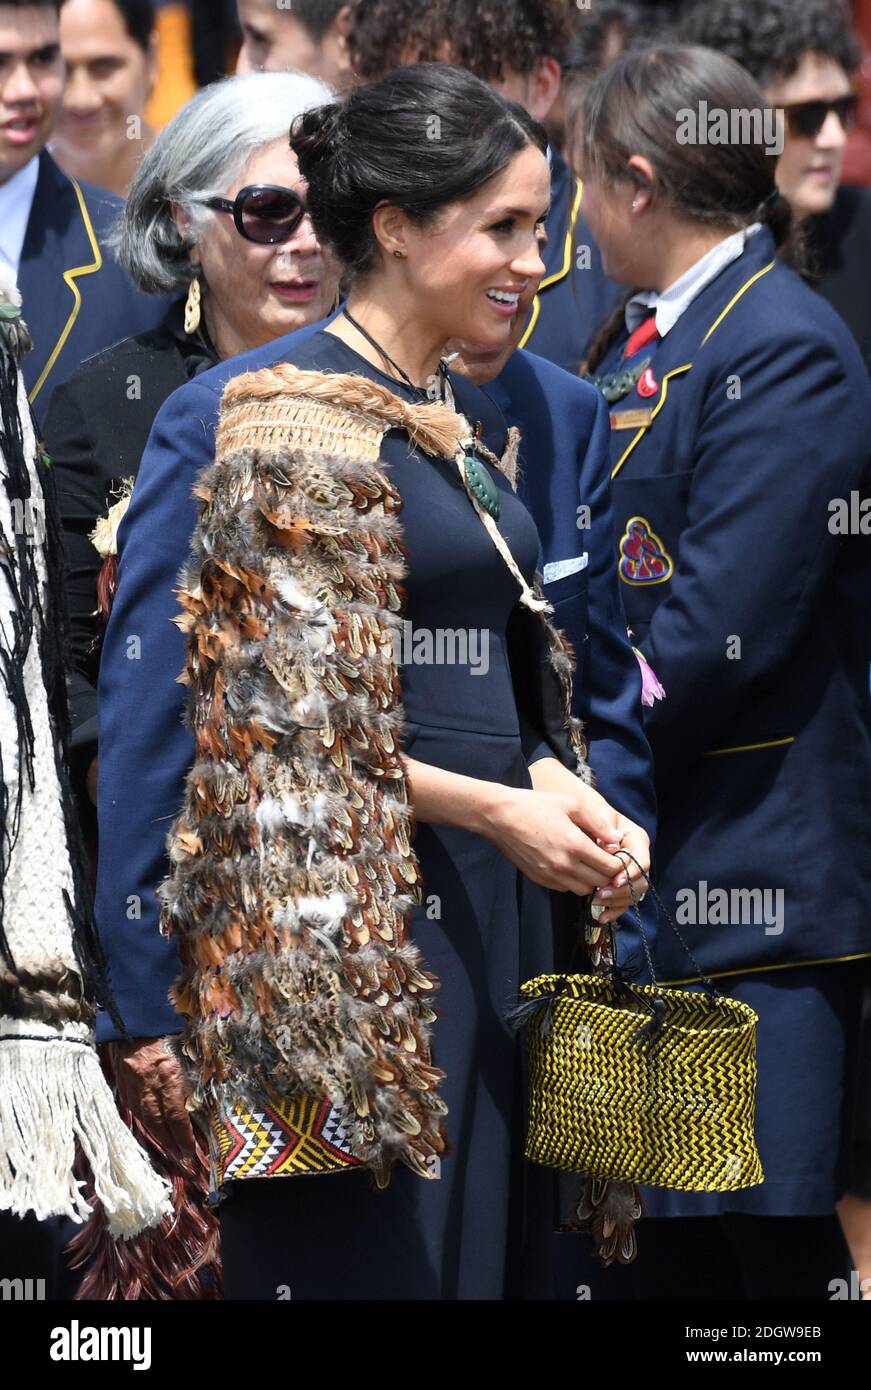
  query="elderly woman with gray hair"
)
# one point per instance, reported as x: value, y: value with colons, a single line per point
x: 216, y: 221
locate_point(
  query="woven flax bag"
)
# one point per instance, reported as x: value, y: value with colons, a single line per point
x: 640, y: 1083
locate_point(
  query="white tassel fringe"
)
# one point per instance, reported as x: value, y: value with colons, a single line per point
x: 51, y: 1094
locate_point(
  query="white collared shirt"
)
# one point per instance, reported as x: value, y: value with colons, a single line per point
x: 16, y: 200
x: 678, y: 297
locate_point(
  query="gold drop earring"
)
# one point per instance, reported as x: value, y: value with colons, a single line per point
x: 192, y: 307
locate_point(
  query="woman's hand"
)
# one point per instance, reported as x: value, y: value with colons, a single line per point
x: 151, y: 1083
x: 536, y: 830
x: 539, y: 832
x: 610, y: 830
x: 91, y: 779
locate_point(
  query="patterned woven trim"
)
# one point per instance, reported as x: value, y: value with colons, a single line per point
x: 281, y: 1138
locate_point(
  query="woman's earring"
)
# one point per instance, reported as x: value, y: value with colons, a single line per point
x: 400, y: 255
x: 192, y: 307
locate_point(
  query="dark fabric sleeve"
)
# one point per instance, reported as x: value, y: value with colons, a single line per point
x: 146, y: 749
x: 535, y: 746
x: 82, y: 491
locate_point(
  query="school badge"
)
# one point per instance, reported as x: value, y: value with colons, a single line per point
x: 643, y: 556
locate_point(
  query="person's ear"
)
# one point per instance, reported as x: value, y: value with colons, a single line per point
x: 338, y: 39
x: 341, y: 25
x: 642, y: 174
x: 183, y: 223
x: 390, y: 227
x: 545, y: 81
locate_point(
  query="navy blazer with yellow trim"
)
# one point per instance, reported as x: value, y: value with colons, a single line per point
x: 754, y: 613
x: 575, y: 295
x: 76, y: 298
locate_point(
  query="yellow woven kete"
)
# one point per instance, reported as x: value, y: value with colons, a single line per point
x: 676, y: 1111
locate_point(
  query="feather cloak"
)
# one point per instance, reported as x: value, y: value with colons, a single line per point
x: 292, y: 869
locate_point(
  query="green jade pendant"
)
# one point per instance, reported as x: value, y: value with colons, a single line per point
x: 618, y: 384
x: 482, y: 486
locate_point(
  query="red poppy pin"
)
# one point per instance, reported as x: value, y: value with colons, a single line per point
x: 647, y: 384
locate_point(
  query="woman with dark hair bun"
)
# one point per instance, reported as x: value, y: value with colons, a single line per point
x: 362, y: 572
x: 739, y: 435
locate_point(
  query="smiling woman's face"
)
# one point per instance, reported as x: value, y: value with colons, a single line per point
x: 471, y: 267
x: 482, y: 364
x: 256, y: 293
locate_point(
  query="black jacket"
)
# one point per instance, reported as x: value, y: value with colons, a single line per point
x: 95, y: 431
x: 840, y: 270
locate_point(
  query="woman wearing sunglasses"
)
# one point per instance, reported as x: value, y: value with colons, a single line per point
x: 805, y: 58
x: 216, y: 220
x: 739, y: 440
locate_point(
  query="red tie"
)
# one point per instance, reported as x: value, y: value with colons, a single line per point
x: 645, y: 333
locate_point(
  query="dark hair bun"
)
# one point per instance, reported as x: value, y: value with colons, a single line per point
x: 421, y: 138
x: 316, y: 135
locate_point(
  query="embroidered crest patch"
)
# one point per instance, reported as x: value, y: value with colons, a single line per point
x: 643, y: 556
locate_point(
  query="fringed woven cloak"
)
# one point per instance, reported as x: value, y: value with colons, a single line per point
x: 54, y: 1098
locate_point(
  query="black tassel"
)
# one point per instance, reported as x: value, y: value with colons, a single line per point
x: 521, y: 1013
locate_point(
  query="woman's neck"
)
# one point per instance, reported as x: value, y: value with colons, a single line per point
x: 680, y: 253
x: 413, y: 347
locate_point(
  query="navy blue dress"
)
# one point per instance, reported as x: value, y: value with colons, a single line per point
x: 483, y: 1228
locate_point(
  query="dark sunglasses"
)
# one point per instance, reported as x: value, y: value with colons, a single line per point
x: 807, y: 118
x: 263, y: 212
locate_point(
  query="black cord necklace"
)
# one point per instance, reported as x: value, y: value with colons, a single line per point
x: 478, y: 480
x: 441, y: 369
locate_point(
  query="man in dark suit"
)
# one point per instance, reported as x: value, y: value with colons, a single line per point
x: 53, y: 229
x: 517, y: 46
